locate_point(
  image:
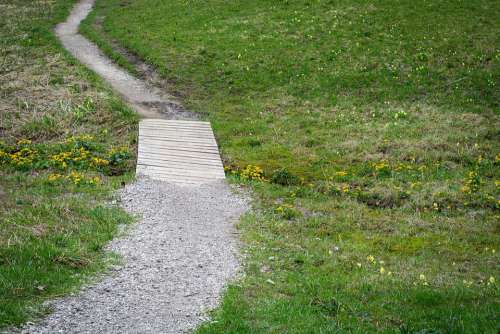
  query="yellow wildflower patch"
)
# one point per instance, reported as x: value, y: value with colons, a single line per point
x: 76, y: 177
x: 79, y: 138
x: 471, y: 183
x: 24, y: 142
x: 251, y: 172
x: 381, y: 165
x: 54, y: 177
x: 98, y: 162
x: 95, y: 180
x: 23, y: 157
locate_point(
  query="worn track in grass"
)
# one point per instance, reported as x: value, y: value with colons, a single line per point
x: 178, y: 258
x: 148, y: 101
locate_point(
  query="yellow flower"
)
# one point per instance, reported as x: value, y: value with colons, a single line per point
x: 121, y: 149
x: 24, y: 142
x: 251, y: 172
x: 54, y: 177
x: 75, y: 177
x: 22, y: 157
x: 414, y: 184
x: 382, y: 270
x: 99, y: 162
x: 465, y: 189
x: 83, y: 137
x: 491, y: 280
x: 381, y: 165
x: 370, y: 258
x: 422, y: 277
x: 95, y: 180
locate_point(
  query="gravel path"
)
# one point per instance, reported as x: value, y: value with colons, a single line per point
x: 176, y: 262
x: 148, y: 101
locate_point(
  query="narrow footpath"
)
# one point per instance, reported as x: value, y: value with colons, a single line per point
x: 181, y: 253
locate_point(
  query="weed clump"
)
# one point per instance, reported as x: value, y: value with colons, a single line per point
x: 284, y: 177
x: 287, y: 212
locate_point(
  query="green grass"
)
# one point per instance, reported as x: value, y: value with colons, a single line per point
x: 55, y: 118
x: 375, y: 125
x: 376, y: 128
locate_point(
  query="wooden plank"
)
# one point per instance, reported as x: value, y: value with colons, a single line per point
x: 177, y: 159
x: 177, y: 148
x: 182, y: 139
x: 162, y: 133
x: 180, y: 165
x: 174, y: 175
x: 175, y: 122
x: 183, y: 155
x: 178, y: 151
x: 174, y: 127
x: 180, y: 145
x: 207, y: 173
x: 203, y: 131
x: 177, y: 143
x: 176, y: 155
x: 181, y: 149
x: 167, y: 133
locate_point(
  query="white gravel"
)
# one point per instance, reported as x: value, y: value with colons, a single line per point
x: 177, y: 259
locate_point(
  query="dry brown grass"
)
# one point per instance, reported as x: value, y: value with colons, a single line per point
x: 51, y: 234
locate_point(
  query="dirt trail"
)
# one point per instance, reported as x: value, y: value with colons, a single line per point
x: 149, y: 101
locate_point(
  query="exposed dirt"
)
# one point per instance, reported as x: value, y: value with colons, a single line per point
x: 146, y: 96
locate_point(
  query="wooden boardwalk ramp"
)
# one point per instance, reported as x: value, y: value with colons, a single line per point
x: 183, y: 152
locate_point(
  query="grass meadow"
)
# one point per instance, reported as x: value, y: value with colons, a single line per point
x: 368, y: 133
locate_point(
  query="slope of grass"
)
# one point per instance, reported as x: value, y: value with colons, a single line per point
x: 66, y: 142
x: 368, y: 132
